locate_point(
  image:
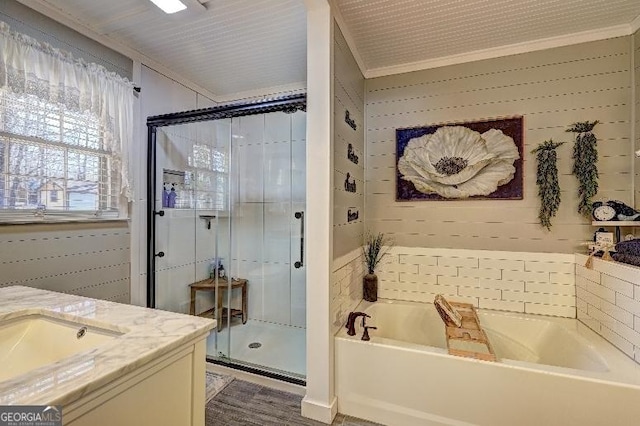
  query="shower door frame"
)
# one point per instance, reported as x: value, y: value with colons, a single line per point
x: 289, y: 103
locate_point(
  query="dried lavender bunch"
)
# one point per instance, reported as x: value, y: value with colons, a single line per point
x: 547, y: 181
x: 585, y: 157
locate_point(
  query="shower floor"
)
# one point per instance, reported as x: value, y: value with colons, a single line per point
x: 282, y: 347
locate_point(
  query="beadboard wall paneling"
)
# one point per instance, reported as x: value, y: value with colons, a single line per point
x: 90, y: 260
x: 552, y: 89
x: 608, y: 302
x: 636, y: 113
x: 346, y: 287
x: 27, y: 21
x: 534, y: 283
x: 348, y: 96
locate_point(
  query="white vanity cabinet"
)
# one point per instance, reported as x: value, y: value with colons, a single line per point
x: 105, y: 363
x: 169, y: 391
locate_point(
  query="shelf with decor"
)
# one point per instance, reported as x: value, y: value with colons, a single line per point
x: 617, y: 224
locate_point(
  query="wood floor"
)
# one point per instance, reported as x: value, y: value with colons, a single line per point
x: 244, y: 403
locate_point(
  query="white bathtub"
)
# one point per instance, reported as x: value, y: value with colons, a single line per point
x: 551, y: 371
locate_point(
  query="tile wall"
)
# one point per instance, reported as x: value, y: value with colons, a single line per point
x: 608, y: 302
x: 346, y: 287
x: 536, y: 283
x: 268, y: 187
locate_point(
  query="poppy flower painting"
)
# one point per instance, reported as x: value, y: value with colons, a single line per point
x: 460, y: 161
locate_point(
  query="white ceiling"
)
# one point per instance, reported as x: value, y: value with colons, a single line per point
x: 392, y: 33
x: 238, y: 46
x: 223, y: 46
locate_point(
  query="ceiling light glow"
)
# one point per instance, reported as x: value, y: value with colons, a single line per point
x: 169, y: 6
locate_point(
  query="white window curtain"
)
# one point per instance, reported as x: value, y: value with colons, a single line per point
x: 65, y: 126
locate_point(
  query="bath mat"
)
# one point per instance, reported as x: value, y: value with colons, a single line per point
x: 215, y: 383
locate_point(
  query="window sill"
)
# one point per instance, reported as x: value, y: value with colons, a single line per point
x: 60, y: 221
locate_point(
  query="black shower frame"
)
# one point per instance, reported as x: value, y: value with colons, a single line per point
x: 286, y: 103
x: 289, y: 104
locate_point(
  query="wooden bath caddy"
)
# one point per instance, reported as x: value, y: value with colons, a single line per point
x: 469, y: 340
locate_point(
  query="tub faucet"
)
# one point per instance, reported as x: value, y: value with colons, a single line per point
x: 351, y: 321
x: 365, y: 335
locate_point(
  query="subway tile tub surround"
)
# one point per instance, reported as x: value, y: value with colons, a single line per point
x: 346, y: 286
x: 535, y: 283
x: 605, y: 298
x: 608, y: 302
x: 519, y: 282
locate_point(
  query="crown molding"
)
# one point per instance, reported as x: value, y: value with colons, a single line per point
x: 337, y: 15
x: 511, y: 49
x: 635, y: 25
x: 51, y: 12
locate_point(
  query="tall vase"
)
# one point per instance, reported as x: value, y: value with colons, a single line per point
x: 370, y: 287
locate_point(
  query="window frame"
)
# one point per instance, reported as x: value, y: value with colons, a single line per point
x: 110, y: 204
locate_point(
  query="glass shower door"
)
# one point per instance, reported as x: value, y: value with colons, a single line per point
x: 230, y: 194
x: 193, y: 225
x: 268, y: 200
x: 175, y: 221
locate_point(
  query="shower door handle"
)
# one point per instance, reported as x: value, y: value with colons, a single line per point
x: 300, y: 263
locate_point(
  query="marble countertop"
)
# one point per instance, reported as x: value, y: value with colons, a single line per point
x: 147, y: 335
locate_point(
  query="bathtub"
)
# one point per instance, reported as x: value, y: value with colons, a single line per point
x: 550, y: 371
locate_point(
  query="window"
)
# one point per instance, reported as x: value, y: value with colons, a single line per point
x: 53, y: 159
x: 65, y: 130
x: 209, y: 167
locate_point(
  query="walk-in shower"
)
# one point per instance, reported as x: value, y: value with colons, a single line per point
x: 226, y: 228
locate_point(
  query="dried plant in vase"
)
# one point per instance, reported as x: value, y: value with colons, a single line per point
x: 374, y: 249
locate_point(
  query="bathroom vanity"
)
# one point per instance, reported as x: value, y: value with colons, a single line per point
x: 105, y: 363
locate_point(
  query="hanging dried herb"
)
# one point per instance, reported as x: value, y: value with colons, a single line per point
x: 585, y: 158
x: 547, y: 181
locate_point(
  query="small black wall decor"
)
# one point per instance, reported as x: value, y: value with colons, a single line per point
x: 351, y: 155
x: 350, y: 121
x: 352, y: 215
x: 459, y: 161
x: 349, y: 186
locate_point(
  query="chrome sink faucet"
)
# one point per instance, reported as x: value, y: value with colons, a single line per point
x: 351, y: 321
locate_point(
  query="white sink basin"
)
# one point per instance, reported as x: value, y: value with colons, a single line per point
x: 32, y: 341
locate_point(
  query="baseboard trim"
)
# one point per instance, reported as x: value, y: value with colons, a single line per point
x: 390, y: 414
x: 320, y: 412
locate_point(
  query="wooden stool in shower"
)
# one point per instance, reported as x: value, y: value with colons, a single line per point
x: 220, y: 314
